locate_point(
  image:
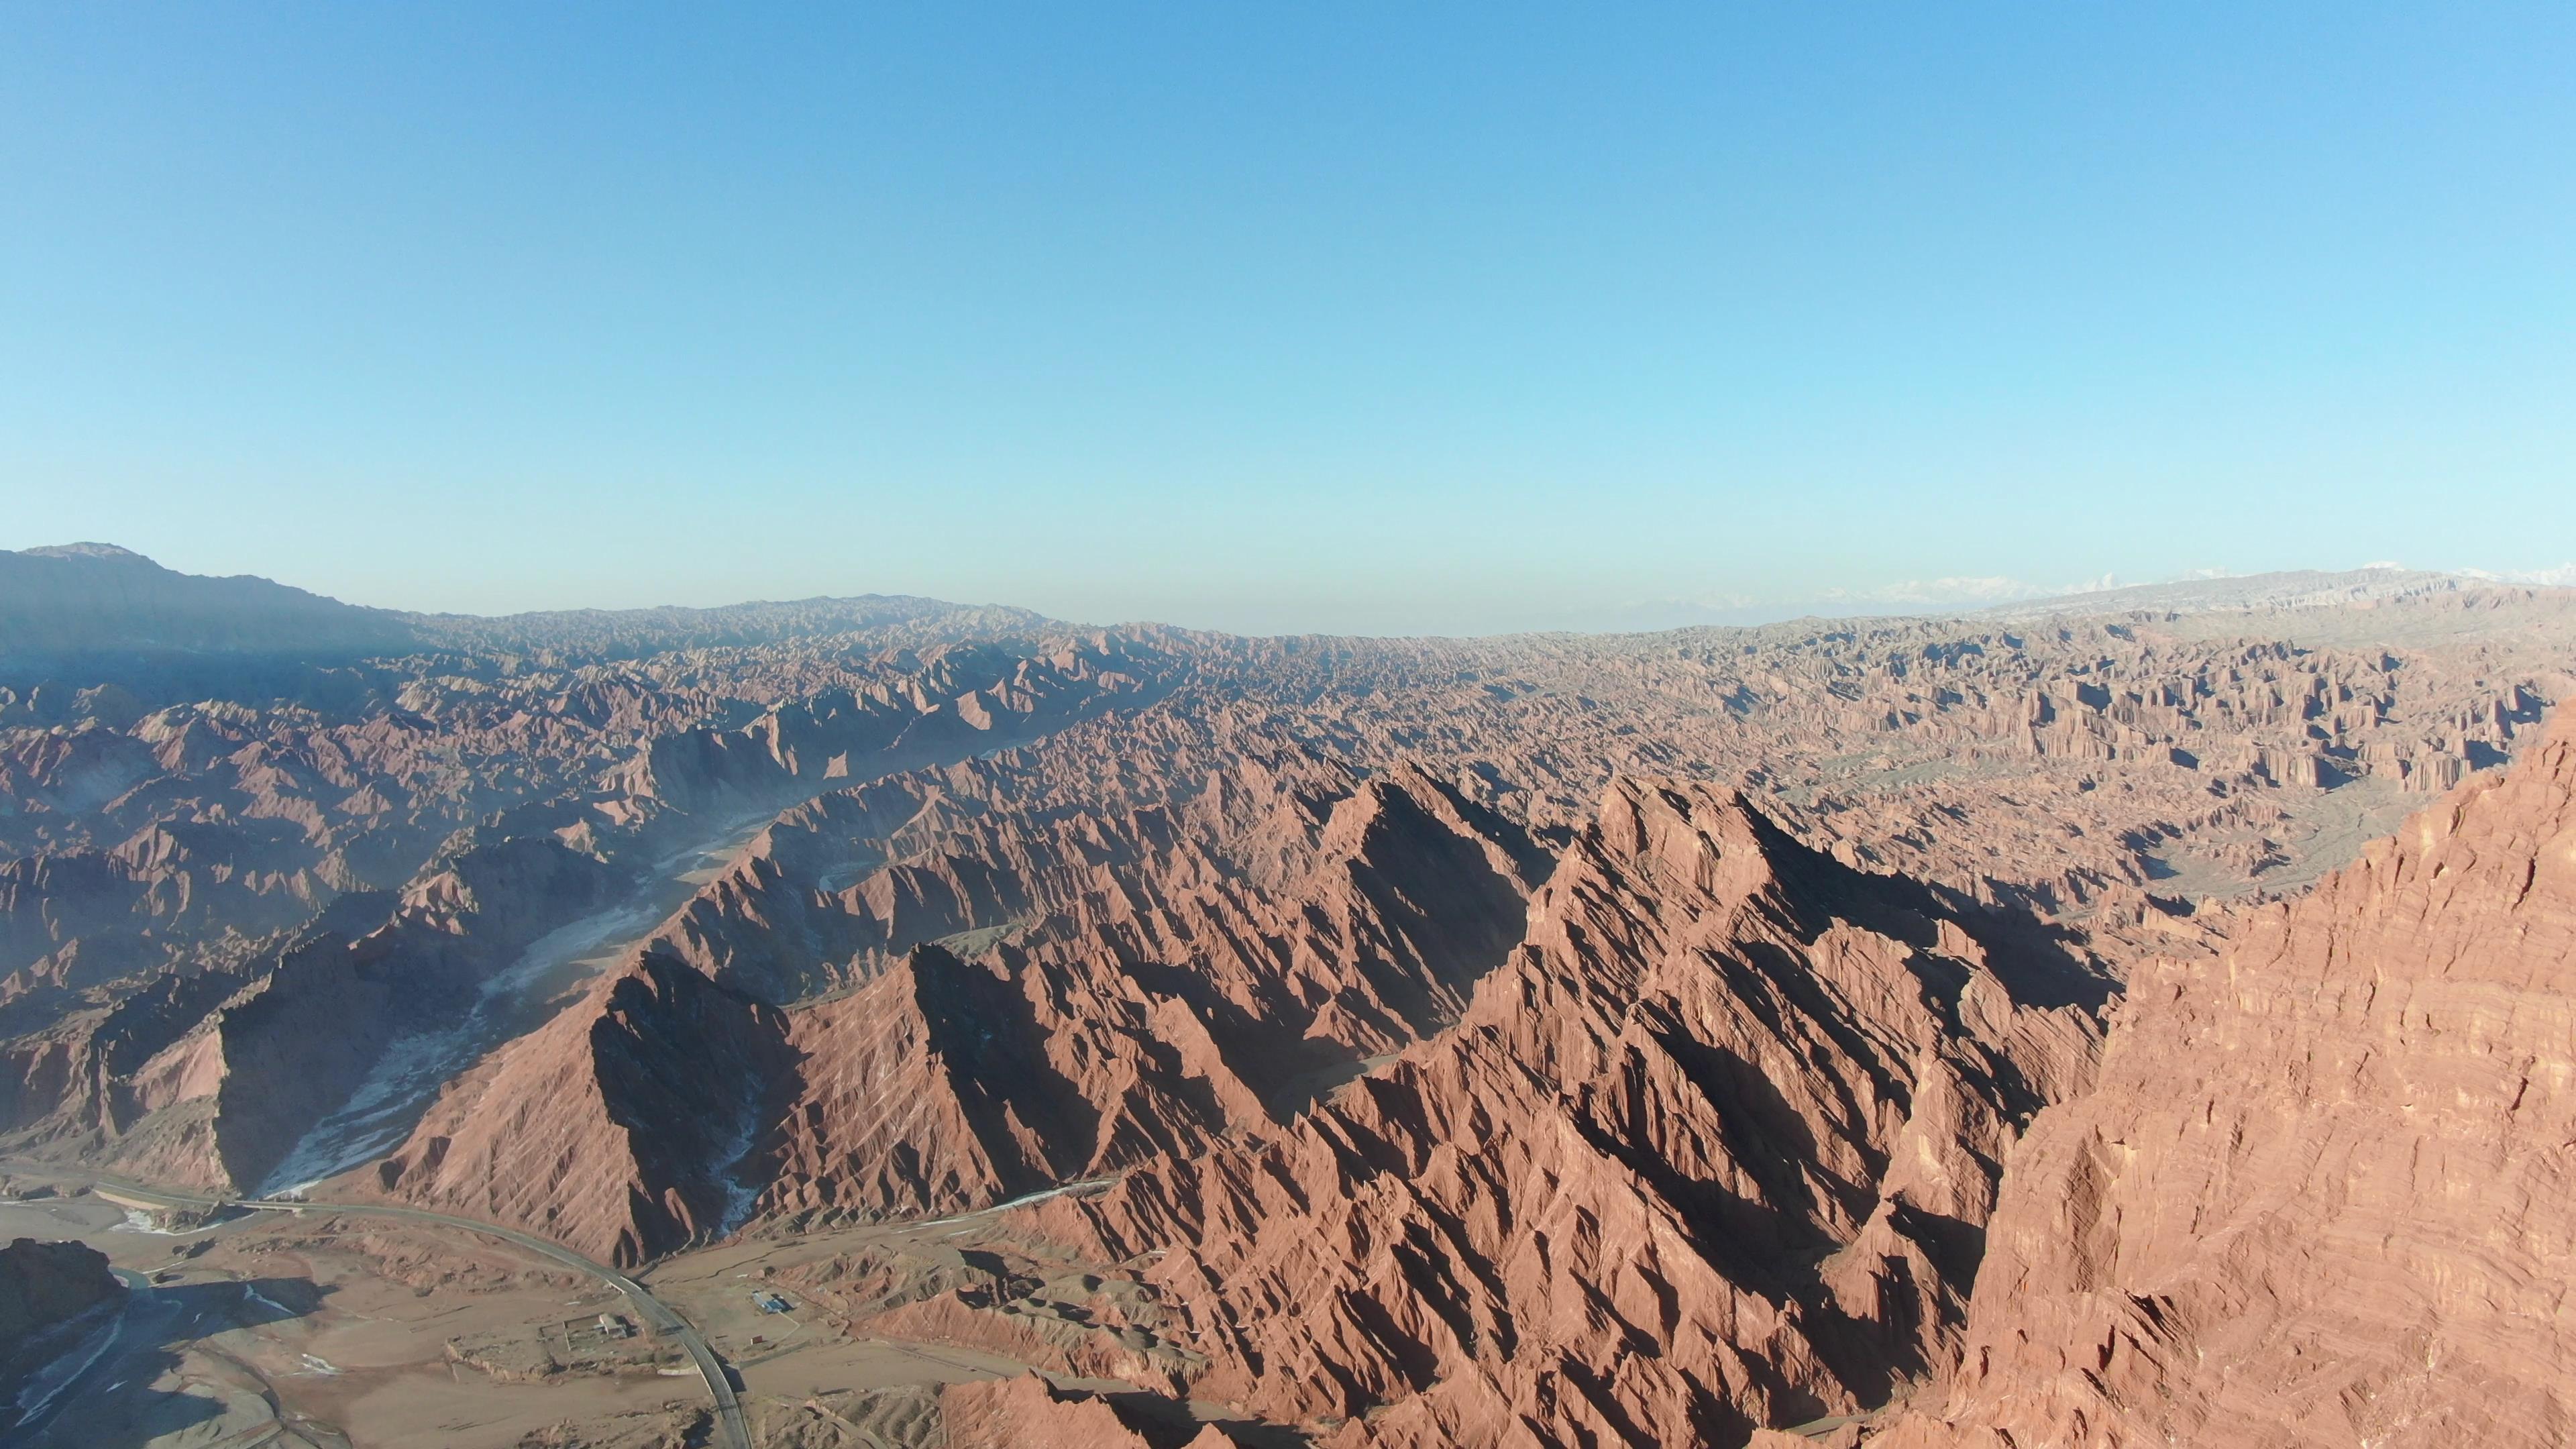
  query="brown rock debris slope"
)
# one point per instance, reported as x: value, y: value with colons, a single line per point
x: 1714, y: 1149
x: 2324, y: 1193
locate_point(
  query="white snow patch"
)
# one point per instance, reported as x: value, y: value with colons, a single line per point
x: 742, y: 1193
x: 380, y: 1113
x: 254, y: 1295
x: 1023, y: 1200
x: 139, y: 1221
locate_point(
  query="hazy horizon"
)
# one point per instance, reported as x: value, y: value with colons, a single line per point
x: 1912, y: 598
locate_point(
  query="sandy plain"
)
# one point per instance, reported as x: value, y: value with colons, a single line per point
x: 326, y: 1331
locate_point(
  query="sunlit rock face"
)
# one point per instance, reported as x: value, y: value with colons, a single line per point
x: 2322, y: 1193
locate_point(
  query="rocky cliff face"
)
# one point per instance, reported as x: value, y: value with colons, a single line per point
x: 2322, y: 1194
x: 1716, y: 1148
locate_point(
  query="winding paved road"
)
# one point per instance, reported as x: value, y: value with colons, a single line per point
x: 732, y: 1430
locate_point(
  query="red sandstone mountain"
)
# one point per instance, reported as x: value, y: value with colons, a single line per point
x: 1170, y: 1000
x: 2315, y: 1195
x: 2322, y: 1194
x: 197, y: 1016
x: 1713, y: 1149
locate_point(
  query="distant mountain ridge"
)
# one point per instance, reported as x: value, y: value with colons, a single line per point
x: 618, y: 632
x: 69, y: 602
x: 96, y: 598
x: 2286, y: 589
x: 90, y: 601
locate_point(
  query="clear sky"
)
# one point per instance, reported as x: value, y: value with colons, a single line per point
x: 1371, y: 317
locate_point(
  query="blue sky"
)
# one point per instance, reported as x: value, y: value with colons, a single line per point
x: 1381, y: 318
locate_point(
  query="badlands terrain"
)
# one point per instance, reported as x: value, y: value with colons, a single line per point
x: 2134, y: 1019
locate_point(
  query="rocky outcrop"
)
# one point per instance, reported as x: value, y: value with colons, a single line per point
x: 2321, y: 1194
x: 938, y: 1088
x: 46, y: 1285
x: 1714, y: 1150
